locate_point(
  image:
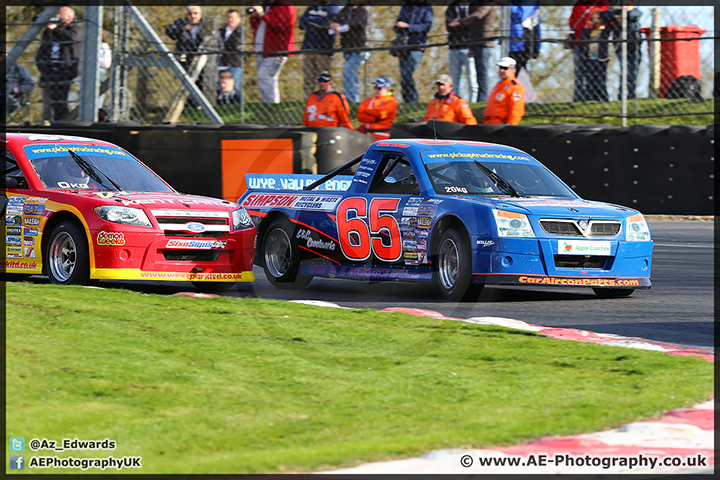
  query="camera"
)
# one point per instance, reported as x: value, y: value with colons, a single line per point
x: 56, y: 19
x: 249, y: 10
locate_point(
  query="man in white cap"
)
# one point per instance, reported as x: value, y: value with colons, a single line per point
x: 506, y: 103
x: 447, y: 105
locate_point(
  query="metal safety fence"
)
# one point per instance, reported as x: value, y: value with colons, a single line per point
x: 156, y: 76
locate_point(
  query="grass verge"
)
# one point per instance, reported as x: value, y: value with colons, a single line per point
x: 228, y: 385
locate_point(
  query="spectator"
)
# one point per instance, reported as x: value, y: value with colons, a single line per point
x: 506, y: 103
x: 634, y: 52
x: 188, y: 33
x: 481, y: 24
x: 316, y: 23
x: 18, y: 82
x: 352, y: 21
x: 227, y: 94
x: 447, y: 106
x: 414, y: 20
x: 597, y: 57
x: 578, y: 20
x: 274, y: 25
x: 459, y: 55
x: 378, y: 113
x: 104, y: 64
x: 524, y: 24
x: 58, y: 61
x: 231, y: 40
x: 325, y: 107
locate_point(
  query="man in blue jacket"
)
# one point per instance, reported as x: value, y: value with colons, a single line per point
x: 316, y: 22
x: 414, y: 20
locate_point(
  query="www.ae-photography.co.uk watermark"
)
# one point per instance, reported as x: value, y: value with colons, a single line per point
x: 583, y: 461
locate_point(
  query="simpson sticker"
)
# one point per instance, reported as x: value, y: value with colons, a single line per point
x: 297, y: 202
x: 111, y: 238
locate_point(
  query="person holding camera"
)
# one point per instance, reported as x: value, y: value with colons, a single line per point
x: 58, y: 61
x: 274, y: 25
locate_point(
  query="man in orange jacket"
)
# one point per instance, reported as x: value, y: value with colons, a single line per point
x: 325, y: 107
x: 447, y: 105
x: 506, y: 103
x: 378, y: 113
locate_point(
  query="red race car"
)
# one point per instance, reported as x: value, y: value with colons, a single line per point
x: 80, y: 210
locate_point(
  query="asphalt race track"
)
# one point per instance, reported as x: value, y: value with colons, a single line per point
x: 678, y: 309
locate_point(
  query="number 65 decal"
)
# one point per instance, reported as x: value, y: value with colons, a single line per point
x: 358, y: 240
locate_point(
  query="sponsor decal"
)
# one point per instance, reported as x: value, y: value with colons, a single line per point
x: 13, y: 264
x: 586, y: 247
x: 16, y: 201
x: 427, y: 210
x: 14, y: 231
x: 182, y: 201
x: 36, y: 199
x: 14, y: 254
x: 14, y: 250
x: 424, y: 222
x: 367, y: 272
x: 107, y: 195
x: 422, y: 257
x: 414, y: 201
x: 409, y: 211
x: 582, y: 282
x: 392, y: 144
x: 486, y: 243
x: 195, y: 227
x: 410, y: 256
x: 265, y: 181
x: 110, y: 238
x: 33, y: 221
x: 13, y: 241
x: 34, y: 209
x: 197, y: 244
x: 13, y: 220
x: 30, y: 252
x: 306, y: 234
x: 424, y: 233
x: 14, y: 210
x: 411, y: 262
x: 436, y: 201
x: 559, y: 203
x: 28, y: 241
x: 292, y: 201
x: 33, y: 232
x: 409, y: 245
x: 422, y: 245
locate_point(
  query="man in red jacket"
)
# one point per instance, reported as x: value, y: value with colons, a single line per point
x: 506, y: 103
x: 274, y: 26
x: 447, y: 106
x: 378, y: 113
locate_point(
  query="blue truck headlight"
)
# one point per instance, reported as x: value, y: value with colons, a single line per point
x: 512, y: 224
x: 637, y: 229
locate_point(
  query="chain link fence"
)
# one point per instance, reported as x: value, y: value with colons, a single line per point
x: 675, y: 71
